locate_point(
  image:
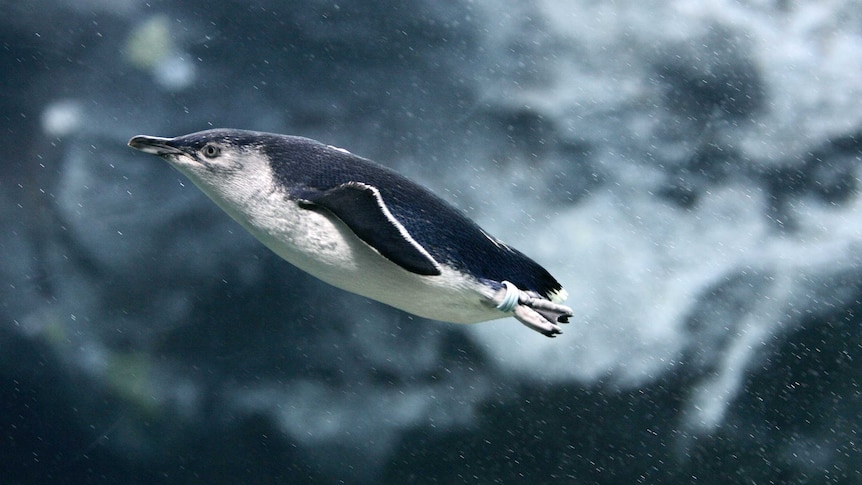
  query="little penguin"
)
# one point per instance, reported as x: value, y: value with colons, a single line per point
x: 364, y: 228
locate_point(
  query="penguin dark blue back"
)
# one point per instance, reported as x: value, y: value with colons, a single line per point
x: 444, y: 231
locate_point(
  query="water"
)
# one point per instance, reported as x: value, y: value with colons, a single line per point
x: 687, y: 170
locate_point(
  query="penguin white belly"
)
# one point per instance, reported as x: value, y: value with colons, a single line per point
x: 323, y: 246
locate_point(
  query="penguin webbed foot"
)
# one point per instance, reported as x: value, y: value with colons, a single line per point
x: 541, y: 315
x: 537, y: 314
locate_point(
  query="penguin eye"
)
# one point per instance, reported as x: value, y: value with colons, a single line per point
x: 211, y: 151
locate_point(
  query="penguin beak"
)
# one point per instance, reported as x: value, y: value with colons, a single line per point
x: 155, y: 145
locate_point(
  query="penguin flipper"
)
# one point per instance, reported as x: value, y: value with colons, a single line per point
x: 361, y: 207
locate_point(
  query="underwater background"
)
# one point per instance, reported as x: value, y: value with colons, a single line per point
x: 689, y: 170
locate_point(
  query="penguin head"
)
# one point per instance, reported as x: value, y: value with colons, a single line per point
x: 228, y: 165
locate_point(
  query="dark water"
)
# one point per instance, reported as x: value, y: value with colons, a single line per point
x: 689, y: 174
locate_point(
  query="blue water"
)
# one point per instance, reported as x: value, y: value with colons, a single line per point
x: 687, y: 170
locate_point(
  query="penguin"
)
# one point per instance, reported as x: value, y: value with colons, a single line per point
x: 364, y: 228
